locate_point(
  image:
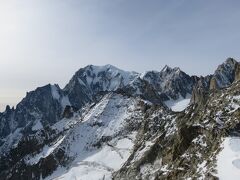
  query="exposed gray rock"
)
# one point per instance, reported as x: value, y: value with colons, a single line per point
x: 39, y: 105
x: 170, y: 82
x: 225, y: 73
x: 223, y: 77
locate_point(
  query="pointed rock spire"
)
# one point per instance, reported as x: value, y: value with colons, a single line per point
x: 166, y: 69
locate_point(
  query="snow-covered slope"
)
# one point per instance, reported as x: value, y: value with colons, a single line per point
x: 101, y: 143
x: 179, y: 104
x: 96, y: 142
x: 228, y: 160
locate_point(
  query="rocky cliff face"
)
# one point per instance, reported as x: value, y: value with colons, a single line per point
x: 113, y: 124
x: 170, y: 83
x: 200, y: 90
x: 223, y: 77
x: 225, y: 73
x: 237, y: 72
x: 43, y: 106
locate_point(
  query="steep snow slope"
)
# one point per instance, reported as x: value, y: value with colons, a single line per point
x: 102, y: 141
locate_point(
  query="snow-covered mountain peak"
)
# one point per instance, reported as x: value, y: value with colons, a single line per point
x: 104, y: 78
x: 92, y: 80
x: 106, y: 68
x: 97, y: 69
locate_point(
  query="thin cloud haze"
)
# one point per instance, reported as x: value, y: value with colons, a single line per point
x: 46, y: 41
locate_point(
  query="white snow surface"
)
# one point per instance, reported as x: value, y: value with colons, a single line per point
x: 99, y: 165
x: 179, y: 104
x: 113, y: 79
x: 93, y: 157
x: 228, y: 160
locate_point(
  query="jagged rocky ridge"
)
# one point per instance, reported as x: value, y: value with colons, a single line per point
x: 105, y: 113
x: 188, y: 149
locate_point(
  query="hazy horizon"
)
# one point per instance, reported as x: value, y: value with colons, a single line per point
x: 48, y: 41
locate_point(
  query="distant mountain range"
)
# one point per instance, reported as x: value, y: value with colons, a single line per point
x: 107, y: 123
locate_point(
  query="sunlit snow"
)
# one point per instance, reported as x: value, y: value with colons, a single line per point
x: 180, y: 104
x: 228, y: 160
x: 92, y: 161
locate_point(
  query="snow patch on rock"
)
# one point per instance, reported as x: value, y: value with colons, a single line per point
x: 179, y: 104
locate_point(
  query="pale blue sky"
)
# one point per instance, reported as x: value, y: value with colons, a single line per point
x: 46, y: 41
